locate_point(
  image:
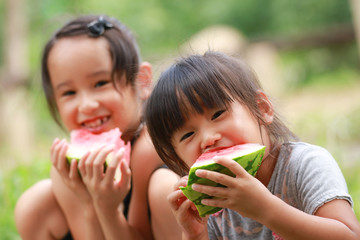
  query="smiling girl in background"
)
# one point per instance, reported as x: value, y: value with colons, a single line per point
x: 93, y: 79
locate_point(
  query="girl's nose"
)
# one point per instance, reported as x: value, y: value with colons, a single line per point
x: 88, y: 104
x: 209, y: 140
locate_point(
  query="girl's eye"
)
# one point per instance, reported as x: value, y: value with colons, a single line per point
x: 68, y: 93
x: 101, y: 83
x: 187, y: 135
x: 217, y: 114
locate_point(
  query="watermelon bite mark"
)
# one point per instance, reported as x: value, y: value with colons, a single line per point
x: 249, y: 156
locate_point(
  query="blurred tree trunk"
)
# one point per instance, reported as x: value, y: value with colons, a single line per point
x: 331, y: 36
x: 16, y: 47
x: 355, y: 8
x: 14, y: 100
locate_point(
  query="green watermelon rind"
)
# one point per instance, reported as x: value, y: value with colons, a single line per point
x: 73, y: 153
x: 250, y: 162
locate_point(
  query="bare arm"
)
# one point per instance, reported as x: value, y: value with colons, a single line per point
x: 163, y: 221
x: 114, y: 224
x: 334, y: 220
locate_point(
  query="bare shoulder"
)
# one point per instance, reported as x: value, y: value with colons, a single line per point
x: 145, y: 157
x: 144, y: 147
x: 161, y: 184
x: 162, y: 181
x: 145, y: 165
x: 143, y: 152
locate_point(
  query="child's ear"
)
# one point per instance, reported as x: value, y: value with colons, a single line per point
x: 265, y: 106
x: 144, y: 79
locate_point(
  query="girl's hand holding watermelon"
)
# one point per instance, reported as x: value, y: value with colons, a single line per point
x: 243, y: 193
x: 193, y: 226
x: 69, y: 174
x: 101, y: 184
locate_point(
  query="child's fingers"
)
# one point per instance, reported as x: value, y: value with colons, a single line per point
x: 181, y: 183
x: 56, y: 140
x: 233, y: 166
x: 63, y: 164
x: 81, y: 164
x: 184, y: 209
x: 55, y: 148
x: 215, y: 202
x: 113, y: 166
x: 99, y: 161
x: 58, y: 156
x: 176, y: 199
x: 219, y: 192
x: 89, y: 162
x: 216, y: 177
x: 73, y: 173
x: 125, y: 181
x: 52, y: 149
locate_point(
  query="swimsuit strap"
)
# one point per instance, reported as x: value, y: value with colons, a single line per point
x: 68, y: 236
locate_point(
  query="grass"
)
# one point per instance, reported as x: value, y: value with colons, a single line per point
x: 13, y: 183
x: 352, y: 177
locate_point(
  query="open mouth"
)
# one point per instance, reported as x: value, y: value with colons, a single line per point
x: 95, y: 123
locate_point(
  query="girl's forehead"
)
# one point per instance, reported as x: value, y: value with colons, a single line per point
x: 80, y: 47
x: 78, y: 57
x: 81, y: 42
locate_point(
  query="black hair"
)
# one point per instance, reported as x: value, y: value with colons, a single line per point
x: 211, y: 80
x: 122, y: 46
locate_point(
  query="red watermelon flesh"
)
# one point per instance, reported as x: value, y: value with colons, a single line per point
x: 230, y: 152
x: 249, y: 156
x: 82, y: 141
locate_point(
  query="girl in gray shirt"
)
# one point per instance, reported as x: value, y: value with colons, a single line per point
x: 212, y: 101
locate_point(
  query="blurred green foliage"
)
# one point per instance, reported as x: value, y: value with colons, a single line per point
x: 336, y: 65
x: 162, y: 25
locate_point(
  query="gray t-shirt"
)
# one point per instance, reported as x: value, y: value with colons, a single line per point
x: 305, y: 176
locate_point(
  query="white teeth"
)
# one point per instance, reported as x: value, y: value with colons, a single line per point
x: 96, y: 123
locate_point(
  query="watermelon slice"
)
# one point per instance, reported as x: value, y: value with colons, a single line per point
x: 82, y: 141
x: 249, y: 156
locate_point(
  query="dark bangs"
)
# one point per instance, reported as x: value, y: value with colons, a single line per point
x: 193, y: 86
